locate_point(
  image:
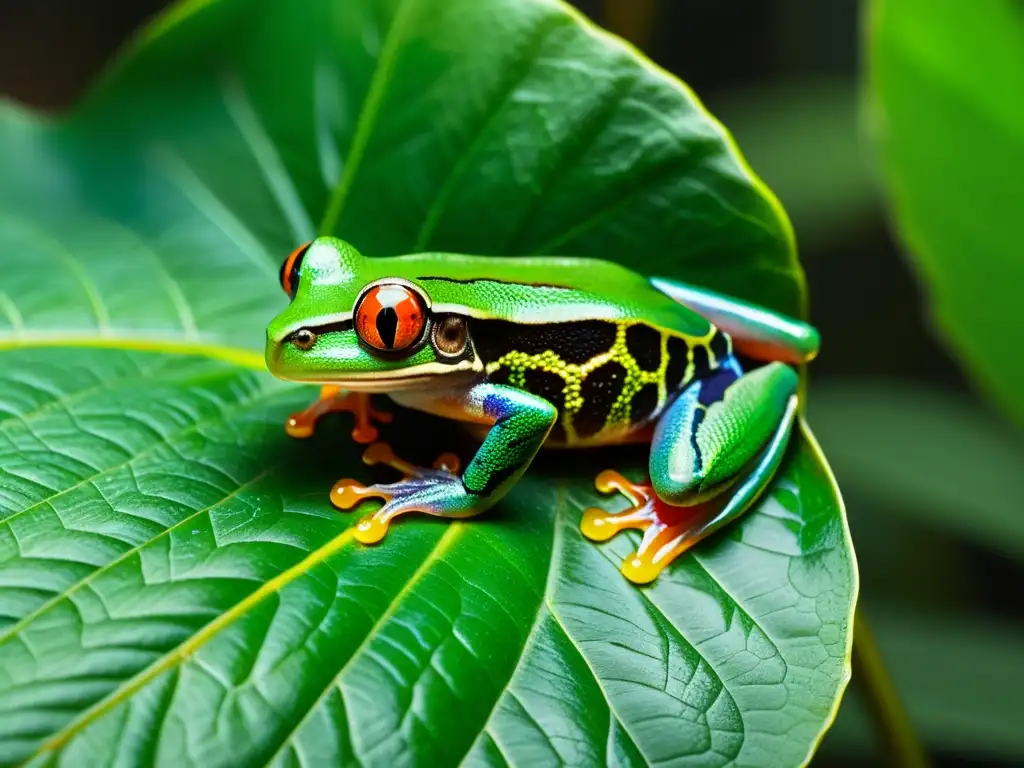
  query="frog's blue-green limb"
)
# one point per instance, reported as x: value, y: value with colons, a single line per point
x: 757, y: 332
x: 520, y: 424
x: 713, y: 454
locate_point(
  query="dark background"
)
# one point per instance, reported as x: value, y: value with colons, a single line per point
x: 783, y: 76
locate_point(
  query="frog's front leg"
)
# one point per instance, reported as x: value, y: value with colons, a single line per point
x: 520, y: 424
x: 333, y: 399
x: 713, y: 453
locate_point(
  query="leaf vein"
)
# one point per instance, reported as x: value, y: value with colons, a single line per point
x: 670, y: 169
x: 438, y: 551
x: 497, y: 109
x: 281, y: 185
x: 560, y: 623
x: 531, y: 637
x: 88, y: 580
x: 206, y: 201
x: 73, y: 266
x: 187, y: 649
x: 11, y: 312
x: 582, y: 139
x: 367, y: 117
x: 262, y: 396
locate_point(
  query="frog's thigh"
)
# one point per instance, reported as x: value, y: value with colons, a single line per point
x: 716, y: 430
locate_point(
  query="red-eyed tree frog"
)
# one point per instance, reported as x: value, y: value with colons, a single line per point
x: 545, y: 352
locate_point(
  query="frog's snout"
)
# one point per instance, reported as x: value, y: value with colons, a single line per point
x: 273, y: 352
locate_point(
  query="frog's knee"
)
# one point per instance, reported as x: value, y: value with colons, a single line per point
x: 681, y: 489
x: 702, y: 445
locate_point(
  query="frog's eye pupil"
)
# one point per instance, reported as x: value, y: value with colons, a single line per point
x: 390, y: 317
x: 290, y: 270
x: 387, y: 326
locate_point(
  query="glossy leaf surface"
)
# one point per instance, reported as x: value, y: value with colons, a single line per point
x: 174, y: 584
x: 945, y: 80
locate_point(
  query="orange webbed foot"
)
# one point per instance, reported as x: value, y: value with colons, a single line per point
x: 302, y: 424
x: 431, y: 490
x: 666, y: 528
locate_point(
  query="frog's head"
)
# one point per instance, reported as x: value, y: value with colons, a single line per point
x: 350, y: 324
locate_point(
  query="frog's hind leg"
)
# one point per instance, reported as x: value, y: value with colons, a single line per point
x: 333, y: 399
x: 714, y: 453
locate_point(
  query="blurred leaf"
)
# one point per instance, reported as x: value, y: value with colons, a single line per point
x: 945, y: 81
x: 931, y: 455
x: 960, y: 677
x: 909, y: 561
x: 174, y: 584
x: 803, y: 138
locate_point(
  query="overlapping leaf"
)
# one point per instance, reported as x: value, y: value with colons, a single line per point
x: 944, y: 85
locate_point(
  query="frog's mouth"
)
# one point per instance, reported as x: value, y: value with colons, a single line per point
x: 381, y: 382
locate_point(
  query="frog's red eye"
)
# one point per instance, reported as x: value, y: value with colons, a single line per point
x: 390, y: 317
x: 290, y: 270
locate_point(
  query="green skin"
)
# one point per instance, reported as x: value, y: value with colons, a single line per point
x: 560, y: 352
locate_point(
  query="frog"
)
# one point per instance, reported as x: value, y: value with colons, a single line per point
x: 544, y: 353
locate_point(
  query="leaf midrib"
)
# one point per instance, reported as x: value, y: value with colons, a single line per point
x: 18, y: 626
x: 241, y: 357
x: 188, y: 648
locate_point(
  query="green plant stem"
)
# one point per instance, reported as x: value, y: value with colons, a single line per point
x: 891, y: 721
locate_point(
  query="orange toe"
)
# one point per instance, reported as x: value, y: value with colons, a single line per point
x: 666, y: 528
x: 347, y: 493
x: 331, y: 400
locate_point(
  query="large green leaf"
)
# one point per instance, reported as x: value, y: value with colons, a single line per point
x: 174, y: 584
x: 945, y: 84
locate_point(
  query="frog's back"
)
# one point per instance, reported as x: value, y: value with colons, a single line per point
x: 544, y: 289
x: 594, y: 338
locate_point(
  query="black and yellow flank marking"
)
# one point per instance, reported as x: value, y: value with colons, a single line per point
x: 604, y: 377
